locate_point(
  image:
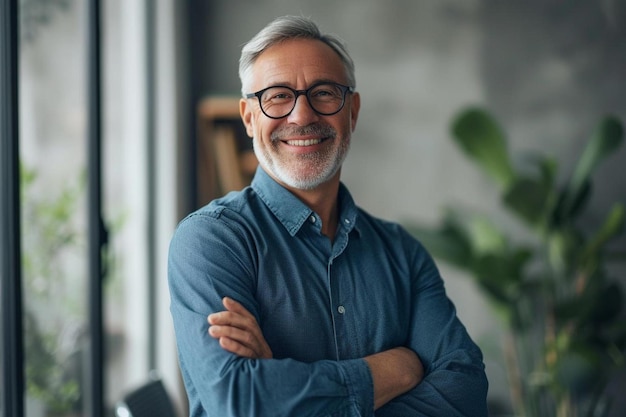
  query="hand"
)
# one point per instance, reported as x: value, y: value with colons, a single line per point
x: 394, y: 372
x: 238, y: 331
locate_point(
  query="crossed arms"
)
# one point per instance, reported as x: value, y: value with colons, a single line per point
x: 241, y: 375
x: 394, y: 371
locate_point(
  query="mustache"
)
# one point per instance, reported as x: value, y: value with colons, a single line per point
x: 317, y: 129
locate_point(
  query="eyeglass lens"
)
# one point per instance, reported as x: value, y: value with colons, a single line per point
x: 325, y: 99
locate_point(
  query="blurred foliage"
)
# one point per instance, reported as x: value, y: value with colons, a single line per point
x: 564, y: 310
x: 54, y: 295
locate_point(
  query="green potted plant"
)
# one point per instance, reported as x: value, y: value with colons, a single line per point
x: 562, y: 309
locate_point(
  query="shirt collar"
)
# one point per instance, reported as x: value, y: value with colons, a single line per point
x: 291, y: 211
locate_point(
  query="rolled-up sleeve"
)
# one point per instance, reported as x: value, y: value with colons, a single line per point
x: 207, y: 261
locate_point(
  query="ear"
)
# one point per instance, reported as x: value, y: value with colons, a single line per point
x: 355, y: 106
x: 245, y: 111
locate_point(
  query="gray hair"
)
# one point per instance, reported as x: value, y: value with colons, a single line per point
x: 286, y: 28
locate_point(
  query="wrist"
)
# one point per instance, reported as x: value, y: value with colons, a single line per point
x: 394, y: 372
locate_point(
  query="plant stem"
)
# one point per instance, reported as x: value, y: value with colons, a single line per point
x: 512, y: 365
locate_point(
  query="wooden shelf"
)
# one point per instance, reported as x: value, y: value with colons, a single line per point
x: 226, y: 161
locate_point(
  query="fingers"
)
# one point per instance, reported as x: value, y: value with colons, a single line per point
x: 247, y: 343
x: 235, y: 334
x: 237, y: 348
x: 235, y: 315
x: 235, y: 307
x: 238, y: 331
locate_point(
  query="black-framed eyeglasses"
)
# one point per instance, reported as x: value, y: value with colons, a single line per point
x: 325, y: 98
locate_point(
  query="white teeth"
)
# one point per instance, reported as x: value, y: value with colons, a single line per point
x: 307, y: 142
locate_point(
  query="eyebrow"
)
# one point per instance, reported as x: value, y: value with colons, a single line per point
x: 317, y: 81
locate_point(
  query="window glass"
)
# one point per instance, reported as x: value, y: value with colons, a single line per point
x: 53, y: 140
x: 53, y: 155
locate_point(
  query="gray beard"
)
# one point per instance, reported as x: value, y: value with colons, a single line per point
x: 329, y: 163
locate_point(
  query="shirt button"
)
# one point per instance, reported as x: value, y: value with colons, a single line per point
x: 341, y: 309
x: 312, y: 219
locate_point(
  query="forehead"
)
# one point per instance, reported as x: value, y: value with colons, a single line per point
x: 297, y: 63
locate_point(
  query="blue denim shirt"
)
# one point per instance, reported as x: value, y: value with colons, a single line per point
x: 322, y: 307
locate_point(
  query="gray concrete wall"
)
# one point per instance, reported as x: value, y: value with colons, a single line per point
x: 547, y: 69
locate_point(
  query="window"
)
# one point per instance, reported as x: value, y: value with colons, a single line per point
x: 139, y: 131
x: 53, y: 109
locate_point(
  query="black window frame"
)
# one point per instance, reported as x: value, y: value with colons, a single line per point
x: 12, y: 359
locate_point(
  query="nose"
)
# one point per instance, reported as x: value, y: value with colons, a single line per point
x: 302, y: 113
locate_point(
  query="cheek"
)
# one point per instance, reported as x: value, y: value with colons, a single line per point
x: 262, y: 127
x: 348, y: 126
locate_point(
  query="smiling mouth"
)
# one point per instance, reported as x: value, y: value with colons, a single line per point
x: 305, y: 142
x: 303, y: 136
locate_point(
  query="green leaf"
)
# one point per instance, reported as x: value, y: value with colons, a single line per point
x: 613, y: 226
x: 606, y: 139
x: 608, y: 305
x: 482, y: 139
x: 448, y: 243
x: 501, y: 282
x: 577, y: 308
x: 615, y: 334
x: 563, y: 247
x: 596, y: 307
x: 528, y: 198
x: 578, y: 369
x: 502, y: 273
x: 485, y: 236
x: 570, y: 309
x: 566, y: 210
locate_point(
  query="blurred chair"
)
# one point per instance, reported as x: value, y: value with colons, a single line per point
x: 149, y: 400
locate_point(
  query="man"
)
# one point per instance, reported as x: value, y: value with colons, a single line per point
x: 315, y: 307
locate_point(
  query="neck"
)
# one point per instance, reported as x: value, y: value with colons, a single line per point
x: 325, y: 204
x: 323, y: 201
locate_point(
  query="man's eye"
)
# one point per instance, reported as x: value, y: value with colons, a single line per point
x: 321, y: 93
x: 277, y: 95
x: 280, y: 96
x: 326, y: 93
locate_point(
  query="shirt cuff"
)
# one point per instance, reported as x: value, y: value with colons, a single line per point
x: 360, y: 385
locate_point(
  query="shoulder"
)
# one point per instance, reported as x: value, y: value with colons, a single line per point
x: 228, y: 215
x: 233, y: 203
x: 395, y: 238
